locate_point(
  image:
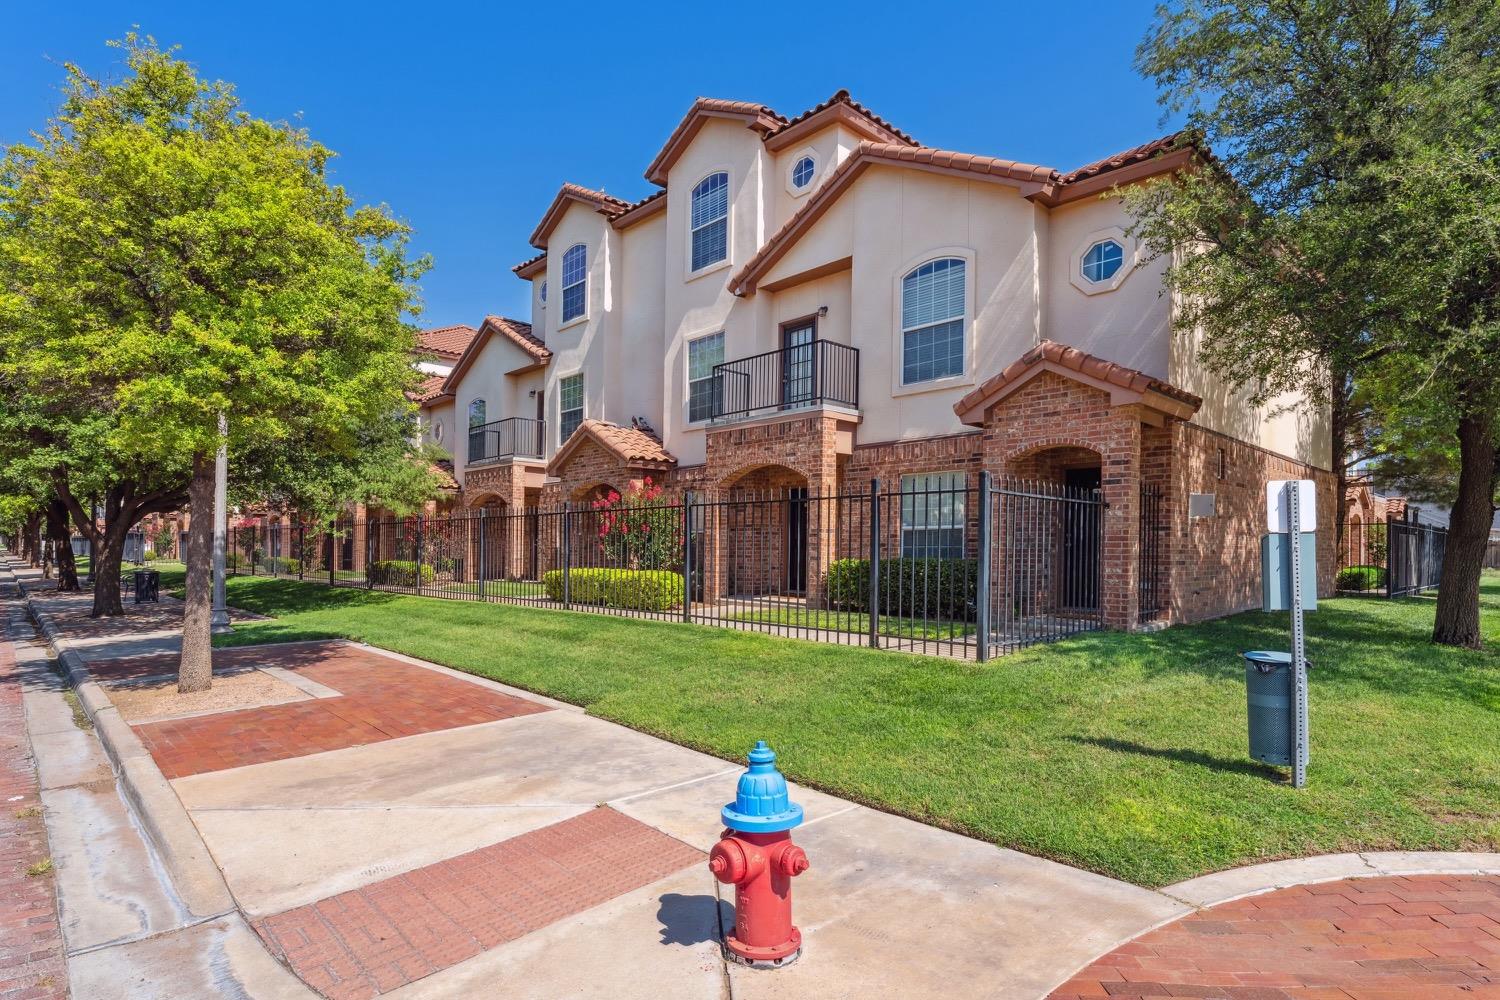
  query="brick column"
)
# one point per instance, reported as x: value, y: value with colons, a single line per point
x: 361, y: 533
x: 1121, y: 475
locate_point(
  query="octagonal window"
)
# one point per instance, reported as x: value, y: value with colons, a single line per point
x: 802, y: 172
x: 1103, y: 260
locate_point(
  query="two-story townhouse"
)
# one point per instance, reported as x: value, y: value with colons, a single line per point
x: 809, y: 303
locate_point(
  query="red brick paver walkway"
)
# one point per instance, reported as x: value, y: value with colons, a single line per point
x: 382, y: 698
x: 1411, y: 938
x: 371, y: 940
x: 31, y: 946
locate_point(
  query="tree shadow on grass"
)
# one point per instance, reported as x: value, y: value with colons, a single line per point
x: 1184, y: 756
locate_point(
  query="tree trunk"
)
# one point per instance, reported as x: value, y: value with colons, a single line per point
x: 29, y: 546
x: 62, y: 546
x: 195, y: 669
x: 104, y: 570
x: 1457, y: 621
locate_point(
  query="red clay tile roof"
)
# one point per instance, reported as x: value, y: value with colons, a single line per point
x: 633, y: 447
x: 606, y: 204
x: 1072, y: 359
x: 842, y: 97
x: 879, y: 152
x: 638, y: 210
x: 430, y: 388
x: 514, y: 330
x: 443, y: 469
x: 528, y: 267
x: 756, y: 116
x: 446, y: 341
x: 1125, y: 158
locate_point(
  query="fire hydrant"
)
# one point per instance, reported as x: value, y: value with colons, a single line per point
x: 756, y: 855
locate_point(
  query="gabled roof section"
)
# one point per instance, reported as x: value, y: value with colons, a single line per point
x: 840, y: 108
x: 1125, y: 385
x: 705, y: 109
x: 443, y: 470
x: 1030, y: 178
x: 513, y: 330
x: 641, y: 210
x: 604, y: 204
x: 429, y: 390
x: 447, y: 342
x: 634, y: 447
x: 532, y: 266
x: 1159, y: 156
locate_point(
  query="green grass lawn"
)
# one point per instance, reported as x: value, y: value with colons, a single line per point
x: 1125, y: 754
x: 853, y: 621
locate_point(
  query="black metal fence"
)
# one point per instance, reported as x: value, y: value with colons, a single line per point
x: 1390, y: 558
x: 942, y: 568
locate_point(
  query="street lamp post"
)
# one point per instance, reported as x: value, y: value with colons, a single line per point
x: 219, y: 620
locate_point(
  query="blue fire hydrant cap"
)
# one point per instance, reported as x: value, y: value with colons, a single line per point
x: 761, y: 803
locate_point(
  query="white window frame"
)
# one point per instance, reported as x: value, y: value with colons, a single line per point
x: 914, y: 495
x: 562, y: 312
x: 899, y: 387
x: 687, y: 259
x: 808, y: 153
x: 688, y: 379
x: 1130, y: 252
x: 582, y: 408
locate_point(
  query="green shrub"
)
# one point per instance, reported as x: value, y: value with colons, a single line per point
x: 398, y: 573
x: 1360, y: 578
x: 283, y: 566
x: 634, y: 589
x: 910, y: 587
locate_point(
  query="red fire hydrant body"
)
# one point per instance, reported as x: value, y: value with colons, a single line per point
x: 756, y: 855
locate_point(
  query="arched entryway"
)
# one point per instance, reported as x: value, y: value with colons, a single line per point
x: 1054, y: 528
x: 766, y: 533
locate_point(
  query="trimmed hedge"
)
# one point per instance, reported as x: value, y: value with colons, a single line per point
x: 910, y: 587
x: 1360, y: 578
x: 284, y: 565
x: 633, y: 589
x: 398, y: 573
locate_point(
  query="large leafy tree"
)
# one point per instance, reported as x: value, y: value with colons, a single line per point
x: 1341, y: 236
x: 168, y: 259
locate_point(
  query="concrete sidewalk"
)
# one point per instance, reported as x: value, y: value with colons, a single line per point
x: 410, y: 831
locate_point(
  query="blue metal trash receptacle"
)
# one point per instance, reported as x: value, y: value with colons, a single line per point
x: 147, y: 586
x: 1269, y: 697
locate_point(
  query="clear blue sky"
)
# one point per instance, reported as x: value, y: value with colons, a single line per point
x: 466, y: 123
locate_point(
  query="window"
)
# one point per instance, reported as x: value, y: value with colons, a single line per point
x: 703, y: 354
x: 802, y: 173
x: 476, y: 413
x: 575, y: 277
x: 932, y: 321
x: 544, y: 292
x: 437, y: 431
x: 1103, y: 260
x: 710, y: 224
x: 932, y: 515
x: 570, y: 406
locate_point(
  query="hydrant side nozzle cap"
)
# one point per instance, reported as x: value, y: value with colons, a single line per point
x: 762, y: 803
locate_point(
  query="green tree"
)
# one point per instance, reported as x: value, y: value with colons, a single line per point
x: 1339, y: 238
x: 169, y: 259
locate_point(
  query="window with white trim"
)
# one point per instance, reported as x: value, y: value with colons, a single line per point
x: 802, y: 172
x: 932, y: 515
x: 703, y: 354
x: 932, y: 321
x: 575, y: 282
x: 710, y: 222
x: 1103, y: 260
x: 569, y: 405
x: 544, y: 293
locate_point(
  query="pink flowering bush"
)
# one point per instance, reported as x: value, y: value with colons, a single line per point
x: 639, y: 529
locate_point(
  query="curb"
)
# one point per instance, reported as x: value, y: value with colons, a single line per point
x: 199, y: 882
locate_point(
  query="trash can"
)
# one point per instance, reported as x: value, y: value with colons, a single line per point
x: 1271, y: 705
x: 147, y: 583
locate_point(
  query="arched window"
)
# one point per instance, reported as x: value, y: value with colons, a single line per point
x: 932, y: 321
x: 710, y: 224
x: 476, y: 413
x: 575, y: 282
x: 544, y: 291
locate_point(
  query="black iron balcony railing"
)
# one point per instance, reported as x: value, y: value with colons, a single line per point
x: 812, y: 374
x: 513, y: 437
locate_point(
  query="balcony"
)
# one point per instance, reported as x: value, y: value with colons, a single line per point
x: 500, y: 440
x: 817, y: 373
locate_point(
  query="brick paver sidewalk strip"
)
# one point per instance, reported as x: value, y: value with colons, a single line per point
x: 381, y: 699
x: 1412, y: 938
x: 374, y: 939
x: 31, y: 946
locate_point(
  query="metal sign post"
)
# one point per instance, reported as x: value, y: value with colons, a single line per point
x: 1299, y: 649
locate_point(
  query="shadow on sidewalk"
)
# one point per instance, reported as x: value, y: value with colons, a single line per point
x: 690, y: 920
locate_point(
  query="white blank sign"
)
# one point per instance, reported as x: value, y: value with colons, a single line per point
x: 1276, y: 506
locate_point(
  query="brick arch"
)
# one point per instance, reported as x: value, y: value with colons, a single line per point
x: 750, y: 469
x: 593, y: 490
x: 488, y: 499
x: 1047, y: 444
